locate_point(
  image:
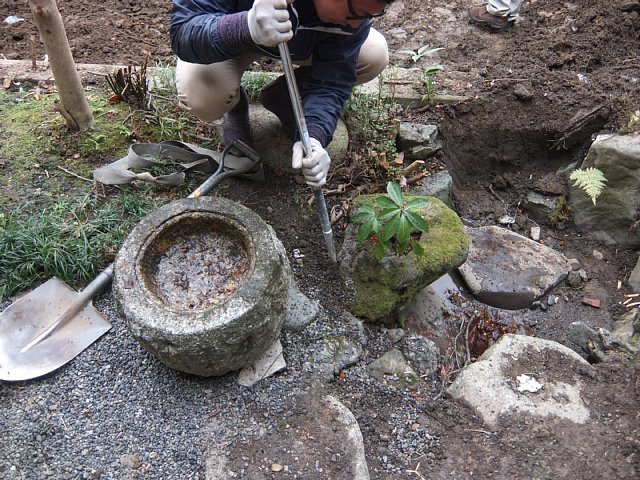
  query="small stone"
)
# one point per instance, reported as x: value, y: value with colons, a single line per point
x: 500, y: 183
x: 583, y: 275
x: 522, y: 93
x: 574, y: 263
x: 544, y: 306
x: 535, y: 233
x: 551, y: 300
x: 276, y: 467
x: 598, y: 255
x: 535, y: 305
x: 395, y: 334
x: 507, y: 220
x: 131, y: 461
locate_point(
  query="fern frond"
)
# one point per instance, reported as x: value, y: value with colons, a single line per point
x: 590, y: 180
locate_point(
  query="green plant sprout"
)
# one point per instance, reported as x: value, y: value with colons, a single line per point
x: 428, y: 85
x: 426, y: 73
x: 590, y: 180
x: 391, y: 223
x: 423, y: 51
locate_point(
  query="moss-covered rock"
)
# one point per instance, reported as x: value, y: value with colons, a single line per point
x: 382, y: 287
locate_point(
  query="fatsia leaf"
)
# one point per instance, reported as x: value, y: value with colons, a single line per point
x: 366, y: 209
x: 390, y: 228
x: 417, y: 204
x: 417, y: 248
x: 365, y: 231
x: 403, y: 229
x: 385, y: 202
x: 402, y: 247
x: 395, y: 194
x: 378, y: 252
x: 387, y: 213
x: 417, y: 221
x: 362, y: 217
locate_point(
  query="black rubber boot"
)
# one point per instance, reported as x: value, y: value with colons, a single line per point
x: 236, y: 123
x: 274, y: 96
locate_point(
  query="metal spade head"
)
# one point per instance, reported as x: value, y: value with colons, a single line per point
x: 30, y: 316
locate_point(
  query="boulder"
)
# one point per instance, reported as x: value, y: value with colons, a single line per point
x: 515, y: 378
x: 418, y: 141
x: 507, y: 270
x: 382, y: 287
x: 274, y: 146
x: 614, y: 217
x: 439, y: 185
x: 634, y: 278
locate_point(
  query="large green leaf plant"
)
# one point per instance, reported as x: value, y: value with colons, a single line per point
x: 392, y: 223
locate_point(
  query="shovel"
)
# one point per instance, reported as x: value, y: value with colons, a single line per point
x: 49, y: 326
x: 321, y: 206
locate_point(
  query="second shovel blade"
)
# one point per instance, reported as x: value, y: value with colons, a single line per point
x: 29, y: 316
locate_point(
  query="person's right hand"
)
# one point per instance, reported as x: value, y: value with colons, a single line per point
x: 269, y: 22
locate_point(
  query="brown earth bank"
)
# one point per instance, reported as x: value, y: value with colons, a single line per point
x: 538, y: 93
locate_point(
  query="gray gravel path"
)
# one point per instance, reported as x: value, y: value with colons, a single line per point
x: 115, y: 412
x: 112, y: 410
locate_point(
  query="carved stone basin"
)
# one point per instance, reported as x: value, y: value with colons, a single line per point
x: 203, y: 285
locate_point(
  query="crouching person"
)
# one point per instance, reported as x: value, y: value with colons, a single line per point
x: 332, y: 41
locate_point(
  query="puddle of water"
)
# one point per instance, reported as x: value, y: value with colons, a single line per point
x: 451, y: 290
x: 442, y: 310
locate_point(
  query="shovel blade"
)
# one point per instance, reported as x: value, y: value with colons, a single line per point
x: 29, y: 316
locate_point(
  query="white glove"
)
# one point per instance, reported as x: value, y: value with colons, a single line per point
x: 269, y: 22
x: 315, y: 166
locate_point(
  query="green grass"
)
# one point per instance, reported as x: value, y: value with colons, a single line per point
x: 72, y: 240
x: 55, y: 220
x: 254, y: 81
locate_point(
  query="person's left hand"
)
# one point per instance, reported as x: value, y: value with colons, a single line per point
x: 314, y: 167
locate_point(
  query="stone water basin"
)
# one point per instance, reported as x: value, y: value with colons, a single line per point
x: 203, y: 285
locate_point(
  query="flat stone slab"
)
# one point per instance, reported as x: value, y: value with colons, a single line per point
x: 518, y: 377
x: 319, y: 430
x: 506, y: 270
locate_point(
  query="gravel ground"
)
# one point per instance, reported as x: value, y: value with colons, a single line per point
x: 113, y: 408
x: 116, y: 412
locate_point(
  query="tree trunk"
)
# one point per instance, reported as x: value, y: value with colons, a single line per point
x: 75, y: 107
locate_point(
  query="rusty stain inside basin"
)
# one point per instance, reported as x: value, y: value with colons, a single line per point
x: 195, y: 262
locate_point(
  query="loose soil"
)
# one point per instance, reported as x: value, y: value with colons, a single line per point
x: 537, y: 94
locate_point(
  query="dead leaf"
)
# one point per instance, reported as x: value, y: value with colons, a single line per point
x: 593, y: 302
